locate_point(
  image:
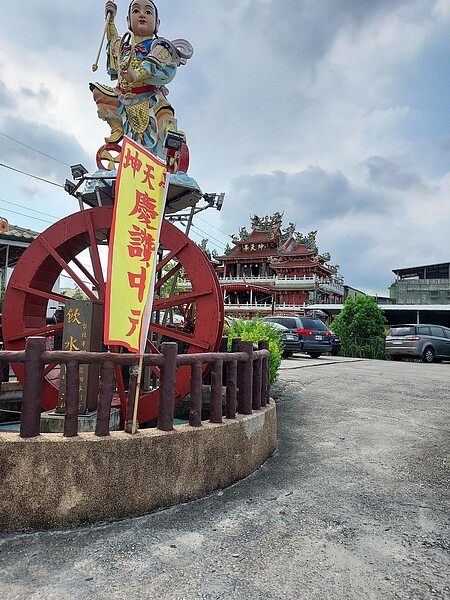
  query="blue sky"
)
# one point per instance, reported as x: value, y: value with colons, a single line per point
x: 334, y: 112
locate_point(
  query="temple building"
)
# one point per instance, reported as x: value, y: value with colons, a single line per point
x: 274, y: 270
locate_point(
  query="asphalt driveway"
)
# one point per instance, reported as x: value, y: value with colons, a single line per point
x: 354, y: 504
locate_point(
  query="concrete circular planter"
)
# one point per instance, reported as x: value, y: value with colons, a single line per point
x: 51, y: 481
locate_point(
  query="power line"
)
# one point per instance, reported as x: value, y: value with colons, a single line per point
x: 26, y: 208
x: 211, y: 225
x: 29, y: 175
x: 34, y: 149
x: 29, y: 216
x: 210, y: 237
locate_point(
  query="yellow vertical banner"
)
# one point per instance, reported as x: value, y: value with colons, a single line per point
x: 137, y: 219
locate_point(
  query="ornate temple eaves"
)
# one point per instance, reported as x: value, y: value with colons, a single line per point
x: 267, y: 232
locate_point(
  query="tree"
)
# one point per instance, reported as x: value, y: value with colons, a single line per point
x: 78, y: 294
x: 361, y: 326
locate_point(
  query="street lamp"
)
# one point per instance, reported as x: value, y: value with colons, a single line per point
x: 78, y: 171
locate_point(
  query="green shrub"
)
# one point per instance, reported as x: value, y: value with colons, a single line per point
x: 364, y: 348
x: 254, y: 331
x: 361, y: 326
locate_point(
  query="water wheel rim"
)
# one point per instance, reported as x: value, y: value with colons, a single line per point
x: 32, y: 282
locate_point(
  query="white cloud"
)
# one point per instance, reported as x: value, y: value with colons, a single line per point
x: 313, y: 108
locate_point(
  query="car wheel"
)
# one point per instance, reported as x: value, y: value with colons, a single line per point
x: 314, y: 354
x: 428, y: 355
x: 287, y: 354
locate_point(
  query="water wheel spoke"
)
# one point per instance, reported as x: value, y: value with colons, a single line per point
x: 180, y: 300
x: 85, y: 272
x: 120, y: 387
x: 180, y: 336
x: 42, y: 294
x: 95, y: 257
x: 162, y: 263
x: 48, y: 369
x: 47, y: 331
x: 154, y: 369
x: 173, y: 271
x: 89, y: 293
x: 150, y: 348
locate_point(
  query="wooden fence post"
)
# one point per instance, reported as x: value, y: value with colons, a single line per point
x: 246, y: 380
x: 265, y: 366
x: 104, y: 399
x: 72, y: 399
x: 167, y: 386
x: 257, y: 381
x: 195, y: 407
x: 216, y: 392
x: 30, y: 422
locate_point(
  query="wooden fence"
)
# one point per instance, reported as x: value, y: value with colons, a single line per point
x: 246, y: 381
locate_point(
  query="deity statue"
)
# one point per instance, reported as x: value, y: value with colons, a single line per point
x: 290, y: 229
x: 243, y: 233
x: 276, y: 219
x: 142, y: 64
x: 311, y: 240
x: 257, y: 221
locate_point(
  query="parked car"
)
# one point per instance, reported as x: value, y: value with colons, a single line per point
x: 335, y: 344
x: 428, y: 342
x: 290, y: 340
x: 314, y: 335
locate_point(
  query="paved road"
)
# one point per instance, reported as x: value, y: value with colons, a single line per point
x: 355, y: 504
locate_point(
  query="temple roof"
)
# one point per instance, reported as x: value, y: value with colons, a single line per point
x: 283, y: 248
x: 257, y: 237
x: 249, y: 255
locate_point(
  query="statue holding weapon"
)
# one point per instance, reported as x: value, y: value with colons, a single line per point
x: 142, y: 64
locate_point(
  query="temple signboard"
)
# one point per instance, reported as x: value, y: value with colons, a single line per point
x: 83, y: 320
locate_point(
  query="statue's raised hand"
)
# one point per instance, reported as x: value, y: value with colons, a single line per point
x: 110, y: 9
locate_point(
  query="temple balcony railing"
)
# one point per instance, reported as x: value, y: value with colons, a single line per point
x: 294, y: 282
x: 260, y: 280
x: 264, y: 309
x: 274, y: 282
x: 279, y: 283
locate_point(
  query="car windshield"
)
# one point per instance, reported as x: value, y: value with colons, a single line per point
x: 277, y: 326
x: 314, y: 324
x: 400, y: 331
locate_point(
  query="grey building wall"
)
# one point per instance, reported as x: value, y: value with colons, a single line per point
x: 422, y: 291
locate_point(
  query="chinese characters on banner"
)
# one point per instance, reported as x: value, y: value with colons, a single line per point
x: 137, y: 220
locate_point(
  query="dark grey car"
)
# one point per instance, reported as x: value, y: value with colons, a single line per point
x: 314, y: 335
x: 289, y: 339
x: 429, y: 342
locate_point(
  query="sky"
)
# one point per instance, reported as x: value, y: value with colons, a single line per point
x: 332, y: 112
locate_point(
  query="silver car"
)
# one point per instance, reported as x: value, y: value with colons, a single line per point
x: 431, y: 343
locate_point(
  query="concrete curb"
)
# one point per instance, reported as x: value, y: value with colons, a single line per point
x: 51, y: 481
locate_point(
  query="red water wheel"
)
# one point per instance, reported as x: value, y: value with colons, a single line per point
x: 62, y: 250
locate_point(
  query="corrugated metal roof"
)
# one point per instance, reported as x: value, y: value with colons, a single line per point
x: 420, y: 267
x: 386, y: 307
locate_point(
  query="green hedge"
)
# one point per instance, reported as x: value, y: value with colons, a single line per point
x: 254, y: 331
